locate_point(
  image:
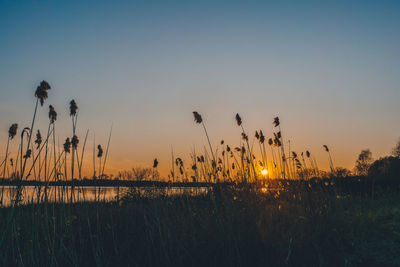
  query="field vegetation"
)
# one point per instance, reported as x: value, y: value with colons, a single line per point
x: 257, y: 203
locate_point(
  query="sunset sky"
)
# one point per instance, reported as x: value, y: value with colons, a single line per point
x: 329, y: 69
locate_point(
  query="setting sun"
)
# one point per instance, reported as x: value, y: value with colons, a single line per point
x: 264, y: 172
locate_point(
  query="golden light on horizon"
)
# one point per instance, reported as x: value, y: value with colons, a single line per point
x: 264, y: 172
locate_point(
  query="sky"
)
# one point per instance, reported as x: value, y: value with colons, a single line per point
x: 329, y: 69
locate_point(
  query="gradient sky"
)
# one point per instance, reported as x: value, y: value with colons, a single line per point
x: 329, y: 69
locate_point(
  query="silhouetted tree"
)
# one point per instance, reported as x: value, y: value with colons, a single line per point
x: 342, y: 172
x: 396, y: 150
x: 363, y: 162
x: 141, y: 174
x: 387, y: 169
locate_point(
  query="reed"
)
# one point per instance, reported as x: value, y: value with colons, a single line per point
x: 82, y: 155
x: 73, y: 108
x: 154, y: 169
x: 108, y: 146
x: 199, y: 120
x: 12, y: 132
x: 330, y: 159
x: 99, y: 156
x: 249, y: 155
x: 41, y: 94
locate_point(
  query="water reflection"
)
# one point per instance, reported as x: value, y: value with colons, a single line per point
x: 67, y: 194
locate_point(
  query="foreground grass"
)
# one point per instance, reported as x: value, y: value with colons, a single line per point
x: 229, y: 227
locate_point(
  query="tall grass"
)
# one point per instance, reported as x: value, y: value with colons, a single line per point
x: 239, y: 218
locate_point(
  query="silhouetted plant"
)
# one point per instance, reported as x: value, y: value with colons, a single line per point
x: 330, y: 158
x: 199, y: 120
x: 74, y: 145
x: 41, y: 94
x: 363, y: 162
x: 396, y: 150
x: 12, y: 131
x: 99, y: 156
x: 249, y: 158
x: 155, y: 164
x: 38, y: 140
x: 73, y: 107
x: 280, y: 143
x: 67, y: 149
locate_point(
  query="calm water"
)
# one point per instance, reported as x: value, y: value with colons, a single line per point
x: 32, y: 194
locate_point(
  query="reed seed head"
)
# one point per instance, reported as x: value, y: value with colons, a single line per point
x: 99, y: 151
x: 52, y: 114
x: 276, y: 121
x: 270, y: 141
x: 73, y: 107
x: 38, y: 140
x: 155, y: 163
x: 12, y: 131
x: 262, y: 137
x: 277, y: 142
x: 197, y: 117
x: 326, y: 148
x: 245, y: 137
x: 308, y: 154
x: 238, y: 119
x: 41, y: 92
x: 67, y: 145
x: 28, y: 154
x: 45, y: 85
x: 257, y: 136
x: 75, y: 142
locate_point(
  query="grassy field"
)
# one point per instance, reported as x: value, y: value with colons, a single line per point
x: 229, y: 226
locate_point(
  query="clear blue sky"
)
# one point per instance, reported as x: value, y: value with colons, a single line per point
x: 329, y: 69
